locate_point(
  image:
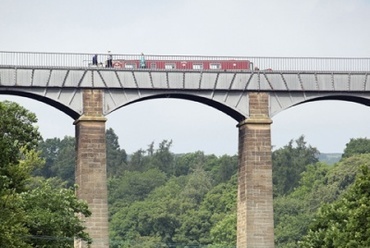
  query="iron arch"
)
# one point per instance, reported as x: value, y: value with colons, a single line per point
x: 212, y: 103
x: 73, y: 114
x: 348, y: 98
x: 280, y: 102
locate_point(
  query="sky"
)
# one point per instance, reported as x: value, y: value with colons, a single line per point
x: 305, y: 28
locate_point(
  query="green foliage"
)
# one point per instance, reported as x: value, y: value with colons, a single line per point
x: 133, y: 186
x: 161, y: 158
x: 223, y: 233
x: 293, y: 212
x: 221, y: 168
x: 155, y: 216
x: 221, y: 203
x: 179, y: 213
x: 199, y: 183
x: 49, y: 151
x: 32, y: 217
x: 289, y: 162
x: 159, y: 199
x: 38, y: 214
x: 320, y: 184
x: 12, y: 217
x: 345, y: 222
x: 356, y: 146
x: 116, y: 157
x: 51, y: 215
x: 60, y: 157
x: 185, y: 163
x: 17, y: 160
x: 17, y: 131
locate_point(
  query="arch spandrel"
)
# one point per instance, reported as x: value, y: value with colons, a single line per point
x: 69, y: 100
x: 217, y: 101
x: 281, y: 101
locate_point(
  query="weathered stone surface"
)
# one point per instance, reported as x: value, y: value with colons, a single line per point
x: 91, y: 168
x: 255, y: 224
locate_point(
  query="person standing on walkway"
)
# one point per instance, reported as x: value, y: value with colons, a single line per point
x: 142, y: 61
x: 95, y: 60
x: 109, y: 61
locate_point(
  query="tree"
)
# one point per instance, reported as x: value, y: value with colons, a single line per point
x: 49, y: 151
x: 213, y: 221
x: 13, y: 215
x: 19, y: 203
x: 116, y: 158
x: 137, y: 161
x: 345, y: 222
x: 220, y: 202
x: 185, y: 163
x: 133, y: 186
x: 51, y: 215
x: 60, y: 157
x: 169, y: 200
x: 199, y: 183
x: 289, y: 162
x: 18, y: 138
x: 18, y: 135
x: 319, y: 184
x: 40, y: 214
x: 356, y: 146
x: 223, y: 233
x: 17, y: 130
x: 65, y: 162
x: 163, y: 158
x: 155, y: 216
x: 226, y: 166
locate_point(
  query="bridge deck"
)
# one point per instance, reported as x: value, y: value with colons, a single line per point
x: 60, y: 77
x: 25, y: 76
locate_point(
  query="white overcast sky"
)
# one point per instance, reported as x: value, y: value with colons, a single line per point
x: 338, y: 28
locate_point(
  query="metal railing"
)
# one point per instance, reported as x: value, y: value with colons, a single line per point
x: 84, y: 60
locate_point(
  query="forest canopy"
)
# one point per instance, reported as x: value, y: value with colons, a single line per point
x: 161, y: 199
x: 157, y: 197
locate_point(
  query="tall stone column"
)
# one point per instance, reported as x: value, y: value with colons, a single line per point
x: 255, y: 221
x: 91, y: 175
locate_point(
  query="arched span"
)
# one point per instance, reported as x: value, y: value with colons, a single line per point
x: 348, y: 98
x: 219, y: 106
x: 74, y: 115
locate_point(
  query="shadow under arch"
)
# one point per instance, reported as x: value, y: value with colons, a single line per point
x: 347, y: 98
x: 219, y: 106
x: 71, y: 113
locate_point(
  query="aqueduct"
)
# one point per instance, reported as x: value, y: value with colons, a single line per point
x: 252, y: 97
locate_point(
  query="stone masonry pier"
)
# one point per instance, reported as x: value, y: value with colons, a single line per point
x: 91, y: 168
x: 255, y: 222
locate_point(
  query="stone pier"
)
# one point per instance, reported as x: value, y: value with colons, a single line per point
x: 255, y: 221
x: 91, y: 175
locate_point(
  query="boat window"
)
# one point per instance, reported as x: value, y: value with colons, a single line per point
x: 130, y: 66
x: 215, y: 66
x: 169, y: 66
x: 198, y: 66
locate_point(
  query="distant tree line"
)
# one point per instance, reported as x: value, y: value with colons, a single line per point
x: 182, y: 200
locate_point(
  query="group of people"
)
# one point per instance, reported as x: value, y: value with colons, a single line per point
x: 109, y: 62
